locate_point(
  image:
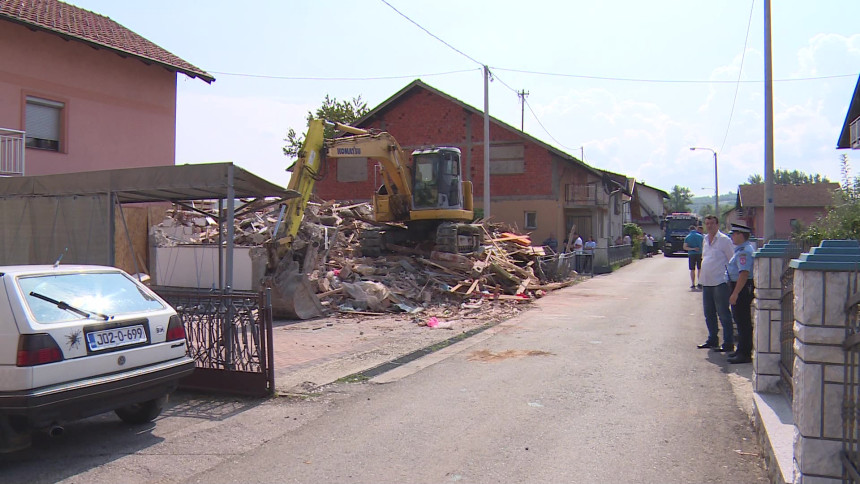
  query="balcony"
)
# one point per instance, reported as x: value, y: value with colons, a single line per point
x: 591, y: 194
x: 11, y: 152
x: 854, y: 132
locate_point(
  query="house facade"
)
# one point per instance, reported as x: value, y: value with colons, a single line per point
x: 80, y: 92
x: 795, y: 206
x: 647, y: 208
x: 533, y: 186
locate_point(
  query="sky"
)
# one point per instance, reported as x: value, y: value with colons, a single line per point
x: 628, y: 86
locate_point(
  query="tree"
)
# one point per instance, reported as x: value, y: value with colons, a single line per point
x: 346, y: 112
x: 679, y: 199
x: 706, y: 210
x: 785, y: 177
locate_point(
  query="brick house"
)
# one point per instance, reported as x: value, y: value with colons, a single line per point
x: 795, y: 206
x: 534, y: 186
x: 89, y: 93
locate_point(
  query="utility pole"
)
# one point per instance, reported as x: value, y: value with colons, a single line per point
x: 486, y: 142
x: 522, y: 94
x: 768, y: 129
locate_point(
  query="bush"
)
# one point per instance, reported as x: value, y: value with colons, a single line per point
x: 841, y: 222
x: 636, y: 233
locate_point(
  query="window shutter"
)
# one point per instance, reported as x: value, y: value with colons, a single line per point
x: 43, y: 119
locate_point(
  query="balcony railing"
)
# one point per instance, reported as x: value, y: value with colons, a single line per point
x: 11, y: 152
x: 589, y: 194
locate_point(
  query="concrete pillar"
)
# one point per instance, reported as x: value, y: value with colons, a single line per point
x: 769, y: 264
x: 820, y: 293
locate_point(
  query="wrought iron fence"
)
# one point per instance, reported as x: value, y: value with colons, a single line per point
x: 229, y: 337
x: 786, y: 334
x: 620, y: 254
x: 851, y: 396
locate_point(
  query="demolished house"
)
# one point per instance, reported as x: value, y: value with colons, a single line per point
x: 326, y: 252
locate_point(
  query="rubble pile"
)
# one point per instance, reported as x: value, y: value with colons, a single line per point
x: 508, y: 270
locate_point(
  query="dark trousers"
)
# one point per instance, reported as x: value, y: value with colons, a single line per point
x: 742, y: 314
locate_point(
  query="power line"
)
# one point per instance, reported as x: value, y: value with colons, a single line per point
x: 559, y: 143
x: 667, y: 81
x: 312, y: 78
x: 433, y: 35
x: 740, y: 71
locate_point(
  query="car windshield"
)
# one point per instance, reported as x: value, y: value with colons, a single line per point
x: 54, y: 298
x: 680, y: 225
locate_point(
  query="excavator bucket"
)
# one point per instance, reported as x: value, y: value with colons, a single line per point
x: 293, y: 297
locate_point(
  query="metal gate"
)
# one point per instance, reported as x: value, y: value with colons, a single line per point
x: 229, y: 337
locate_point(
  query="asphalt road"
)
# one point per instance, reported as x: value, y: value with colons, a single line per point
x: 600, y: 382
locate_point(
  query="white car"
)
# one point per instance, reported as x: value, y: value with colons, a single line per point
x: 77, y: 341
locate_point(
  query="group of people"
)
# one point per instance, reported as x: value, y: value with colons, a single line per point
x: 725, y: 270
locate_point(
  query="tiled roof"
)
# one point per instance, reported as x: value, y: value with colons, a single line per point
x: 803, y: 195
x: 75, y: 23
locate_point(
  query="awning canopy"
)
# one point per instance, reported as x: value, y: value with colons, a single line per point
x: 149, y: 184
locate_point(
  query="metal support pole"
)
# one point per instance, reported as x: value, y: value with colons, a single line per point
x: 486, y: 142
x: 716, y: 188
x: 768, y: 129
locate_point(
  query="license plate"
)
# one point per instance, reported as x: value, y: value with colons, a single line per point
x: 116, y: 337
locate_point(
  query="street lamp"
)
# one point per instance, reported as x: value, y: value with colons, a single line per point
x: 716, y: 183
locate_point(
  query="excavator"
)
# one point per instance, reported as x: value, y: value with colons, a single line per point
x: 419, y: 203
x: 425, y: 203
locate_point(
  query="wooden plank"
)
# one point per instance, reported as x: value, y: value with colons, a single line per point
x: 472, y: 287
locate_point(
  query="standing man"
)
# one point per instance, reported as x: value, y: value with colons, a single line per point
x: 740, y: 272
x: 693, y: 246
x: 716, y: 253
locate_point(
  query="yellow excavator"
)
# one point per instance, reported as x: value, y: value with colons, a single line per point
x: 425, y: 203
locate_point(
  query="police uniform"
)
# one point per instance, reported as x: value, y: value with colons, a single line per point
x: 742, y: 260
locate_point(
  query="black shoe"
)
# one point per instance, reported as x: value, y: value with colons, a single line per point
x: 692, y: 287
x: 740, y: 359
x: 699, y: 286
x: 725, y: 349
x: 707, y: 344
x: 732, y: 354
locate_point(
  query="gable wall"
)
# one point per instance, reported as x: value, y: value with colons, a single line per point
x: 119, y: 111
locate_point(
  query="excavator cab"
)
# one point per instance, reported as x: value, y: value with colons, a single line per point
x: 436, y: 179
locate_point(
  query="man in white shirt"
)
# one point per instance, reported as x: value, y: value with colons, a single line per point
x: 717, y: 250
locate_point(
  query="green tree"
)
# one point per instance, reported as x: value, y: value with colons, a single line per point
x: 346, y: 112
x: 679, y: 199
x: 786, y: 177
x: 707, y: 210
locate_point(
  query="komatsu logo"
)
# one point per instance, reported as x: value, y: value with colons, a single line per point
x: 349, y: 151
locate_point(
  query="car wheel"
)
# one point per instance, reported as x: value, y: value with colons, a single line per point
x: 14, y: 435
x: 141, y: 413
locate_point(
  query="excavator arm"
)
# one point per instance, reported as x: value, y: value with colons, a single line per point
x: 306, y: 172
x: 396, y: 203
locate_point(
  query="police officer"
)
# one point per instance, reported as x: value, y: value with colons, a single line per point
x: 740, y: 272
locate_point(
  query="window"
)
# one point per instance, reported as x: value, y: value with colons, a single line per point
x: 43, y: 122
x: 531, y: 220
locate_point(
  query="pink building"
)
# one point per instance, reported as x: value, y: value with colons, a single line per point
x: 88, y: 93
x: 795, y: 206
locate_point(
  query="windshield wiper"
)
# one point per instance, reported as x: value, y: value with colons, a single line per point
x: 64, y: 305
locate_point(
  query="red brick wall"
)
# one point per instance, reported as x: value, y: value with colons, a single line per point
x: 422, y: 118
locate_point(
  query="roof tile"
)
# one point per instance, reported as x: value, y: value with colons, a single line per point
x: 89, y: 27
